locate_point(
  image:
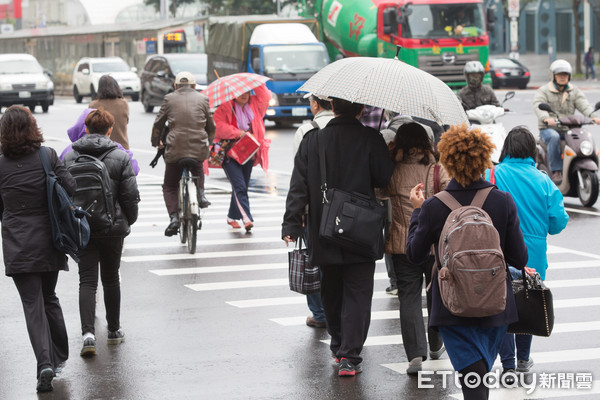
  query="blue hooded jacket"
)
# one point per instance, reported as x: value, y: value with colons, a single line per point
x: 539, y: 205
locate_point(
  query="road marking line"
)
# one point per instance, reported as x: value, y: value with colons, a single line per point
x: 211, y: 208
x: 225, y: 268
x: 226, y: 229
x: 214, y: 254
x: 552, y: 284
x: 576, y: 210
x: 205, y: 242
x: 295, y: 298
x: 548, y: 357
x: 574, y: 264
x: 215, y: 221
x: 203, y: 287
x: 208, y: 215
x: 558, y: 249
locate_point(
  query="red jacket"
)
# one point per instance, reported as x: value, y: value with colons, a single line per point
x: 227, y: 128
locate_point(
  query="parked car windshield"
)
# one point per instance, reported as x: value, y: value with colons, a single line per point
x: 194, y: 65
x: 113, y: 66
x: 293, y: 59
x: 438, y: 21
x: 20, y: 67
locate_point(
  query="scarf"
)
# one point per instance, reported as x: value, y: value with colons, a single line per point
x: 243, y: 115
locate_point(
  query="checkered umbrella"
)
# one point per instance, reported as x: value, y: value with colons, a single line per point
x: 389, y: 84
x: 231, y: 86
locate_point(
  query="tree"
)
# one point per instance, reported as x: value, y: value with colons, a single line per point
x: 241, y: 7
x: 172, y: 4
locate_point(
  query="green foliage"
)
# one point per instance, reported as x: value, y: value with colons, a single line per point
x: 172, y: 4
x: 241, y: 7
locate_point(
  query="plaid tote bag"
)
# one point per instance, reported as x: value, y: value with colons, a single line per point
x: 304, y: 278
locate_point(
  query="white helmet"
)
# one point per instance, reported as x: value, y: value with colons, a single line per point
x: 560, y: 66
x: 474, y: 67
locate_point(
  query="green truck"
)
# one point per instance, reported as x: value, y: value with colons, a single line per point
x: 437, y: 36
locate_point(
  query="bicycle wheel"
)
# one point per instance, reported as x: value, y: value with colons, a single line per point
x: 192, y: 230
x: 183, y: 206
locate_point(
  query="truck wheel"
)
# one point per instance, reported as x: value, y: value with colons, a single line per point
x: 135, y: 97
x: 589, y: 193
x: 45, y: 106
x: 32, y: 108
x: 93, y: 93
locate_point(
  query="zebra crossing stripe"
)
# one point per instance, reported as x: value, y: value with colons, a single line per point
x: 212, y: 270
x: 208, y: 215
x: 214, y: 221
x: 548, y: 357
x: 295, y: 298
x: 214, y: 254
x: 160, y: 206
x: 552, y: 284
x: 205, y: 242
x: 160, y: 228
x: 557, y: 250
x: 202, y: 287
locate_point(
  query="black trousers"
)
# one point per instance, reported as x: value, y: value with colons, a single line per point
x: 44, y: 318
x: 347, y: 293
x: 171, y: 184
x: 107, y: 253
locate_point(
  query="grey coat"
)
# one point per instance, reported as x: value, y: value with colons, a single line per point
x: 564, y: 103
x: 191, y: 127
x: 26, y: 232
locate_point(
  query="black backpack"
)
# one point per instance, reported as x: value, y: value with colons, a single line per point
x: 94, y: 193
x: 70, y: 228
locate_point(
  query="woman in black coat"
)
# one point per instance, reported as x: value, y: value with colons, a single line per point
x: 471, y: 343
x: 29, y: 255
x: 357, y: 160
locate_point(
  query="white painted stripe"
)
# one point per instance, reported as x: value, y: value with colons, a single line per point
x: 560, y: 356
x: 205, y: 242
x: 559, y: 328
x: 158, y: 233
x: 225, y: 268
x: 209, y: 215
x: 253, y: 207
x: 253, y: 283
x: 215, y: 221
x: 215, y: 254
x: 557, y: 249
x: 552, y: 284
x: 295, y: 298
x: 587, y: 212
x: 574, y: 264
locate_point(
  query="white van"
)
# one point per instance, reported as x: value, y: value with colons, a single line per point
x: 24, y: 81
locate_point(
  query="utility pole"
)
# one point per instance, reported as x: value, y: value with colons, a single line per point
x: 513, y: 13
x: 164, y: 9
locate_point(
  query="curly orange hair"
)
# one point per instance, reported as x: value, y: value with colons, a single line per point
x: 465, y: 153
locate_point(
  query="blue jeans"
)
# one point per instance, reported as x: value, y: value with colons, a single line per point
x: 507, y: 349
x: 239, y: 177
x: 589, y: 67
x: 552, y: 139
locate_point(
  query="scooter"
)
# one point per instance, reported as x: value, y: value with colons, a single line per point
x: 580, y: 158
x: 484, y: 117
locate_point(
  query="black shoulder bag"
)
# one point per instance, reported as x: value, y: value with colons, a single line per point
x: 353, y: 221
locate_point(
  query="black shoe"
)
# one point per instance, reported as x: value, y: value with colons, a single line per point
x: 44, y: 383
x: 347, y: 368
x: 89, y: 347
x: 202, y: 200
x: 116, y: 337
x: 173, y: 225
x: 508, y: 377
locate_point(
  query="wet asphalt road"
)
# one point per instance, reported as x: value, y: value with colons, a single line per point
x: 222, y: 324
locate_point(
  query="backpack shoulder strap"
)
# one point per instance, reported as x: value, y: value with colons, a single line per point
x: 449, y: 200
x: 103, y: 155
x: 43, y: 152
x: 480, y: 196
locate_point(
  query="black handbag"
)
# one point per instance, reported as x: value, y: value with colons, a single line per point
x: 534, y: 305
x: 304, y: 278
x: 353, y: 221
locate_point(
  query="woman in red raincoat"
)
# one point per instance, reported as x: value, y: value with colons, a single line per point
x: 234, y: 119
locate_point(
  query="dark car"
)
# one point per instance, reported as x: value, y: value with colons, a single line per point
x: 508, y: 72
x: 159, y: 74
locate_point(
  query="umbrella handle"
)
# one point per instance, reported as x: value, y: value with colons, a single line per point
x: 216, y: 74
x: 398, y: 48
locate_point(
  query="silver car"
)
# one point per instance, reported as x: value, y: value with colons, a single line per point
x: 88, y: 72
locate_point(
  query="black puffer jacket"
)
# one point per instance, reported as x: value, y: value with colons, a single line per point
x: 124, y: 186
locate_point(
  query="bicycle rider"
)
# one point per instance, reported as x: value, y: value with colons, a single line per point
x: 191, y: 131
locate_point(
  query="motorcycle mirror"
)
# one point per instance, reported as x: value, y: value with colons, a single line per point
x: 509, y: 95
x: 597, y: 106
x: 545, y: 107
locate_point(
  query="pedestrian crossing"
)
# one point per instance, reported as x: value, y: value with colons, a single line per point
x: 241, y: 267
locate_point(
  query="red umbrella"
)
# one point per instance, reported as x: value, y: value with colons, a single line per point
x: 231, y: 86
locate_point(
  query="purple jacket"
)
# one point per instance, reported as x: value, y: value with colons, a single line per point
x: 77, y: 131
x: 426, y: 226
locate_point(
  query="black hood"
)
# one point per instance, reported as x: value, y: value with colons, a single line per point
x: 93, y: 144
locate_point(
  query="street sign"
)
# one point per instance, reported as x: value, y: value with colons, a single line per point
x: 513, y: 8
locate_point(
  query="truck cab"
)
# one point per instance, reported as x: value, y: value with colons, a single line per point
x: 289, y: 54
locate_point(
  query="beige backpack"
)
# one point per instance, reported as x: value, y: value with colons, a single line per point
x: 469, y: 247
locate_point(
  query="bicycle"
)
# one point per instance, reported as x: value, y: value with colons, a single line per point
x: 189, y: 215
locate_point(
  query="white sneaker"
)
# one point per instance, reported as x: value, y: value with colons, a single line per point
x: 414, y: 366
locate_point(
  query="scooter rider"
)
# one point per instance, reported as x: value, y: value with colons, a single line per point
x: 564, y: 98
x: 475, y: 94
